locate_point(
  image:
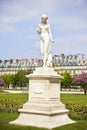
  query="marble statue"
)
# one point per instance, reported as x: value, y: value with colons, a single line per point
x: 46, y: 38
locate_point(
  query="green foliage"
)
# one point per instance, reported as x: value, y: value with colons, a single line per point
x: 8, y: 79
x: 54, y: 64
x: 77, y: 111
x: 18, y: 79
x: 67, y: 80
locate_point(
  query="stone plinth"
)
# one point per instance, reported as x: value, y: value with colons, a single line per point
x: 43, y: 108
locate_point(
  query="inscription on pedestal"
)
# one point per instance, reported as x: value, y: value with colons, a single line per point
x: 37, y: 90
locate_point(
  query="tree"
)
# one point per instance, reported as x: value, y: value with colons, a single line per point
x: 8, y: 79
x: 67, y: 80
x: 81, y: 80
x: 1, y: 82
x: 20, y: 78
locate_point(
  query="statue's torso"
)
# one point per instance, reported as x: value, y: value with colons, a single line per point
x: 44, y: 28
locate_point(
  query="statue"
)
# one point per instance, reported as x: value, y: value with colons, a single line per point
x: 46, y: 38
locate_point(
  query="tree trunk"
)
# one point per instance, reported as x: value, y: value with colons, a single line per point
x: 85, y: 91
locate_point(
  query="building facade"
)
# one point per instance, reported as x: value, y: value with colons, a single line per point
x: 74, y: 64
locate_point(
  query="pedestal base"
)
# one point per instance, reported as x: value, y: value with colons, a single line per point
x: 44, y: 108
x: 41, y: 119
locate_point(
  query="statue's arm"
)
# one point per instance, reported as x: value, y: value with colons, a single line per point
x: 50, y: 34
x: 39, y: 30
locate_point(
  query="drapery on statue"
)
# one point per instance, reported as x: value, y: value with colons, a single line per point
x: 46, y: 38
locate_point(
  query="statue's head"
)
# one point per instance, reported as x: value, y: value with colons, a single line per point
x: 44, y: 18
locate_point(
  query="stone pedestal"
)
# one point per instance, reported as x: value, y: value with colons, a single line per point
x: 43, y: 109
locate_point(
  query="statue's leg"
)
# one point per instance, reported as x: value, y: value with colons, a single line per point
x: 46, y: 52
x: 42, y: 50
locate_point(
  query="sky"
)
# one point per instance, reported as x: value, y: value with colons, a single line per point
x: 19, y: 20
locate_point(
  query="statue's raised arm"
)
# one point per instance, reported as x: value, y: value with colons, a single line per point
x: 46, y: 38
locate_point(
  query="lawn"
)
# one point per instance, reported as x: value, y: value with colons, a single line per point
x: 22, y: 97
x: 65, y: 98
x: 74, y: 98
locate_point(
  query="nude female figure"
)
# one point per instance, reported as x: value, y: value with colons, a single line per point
x: 46, y: 38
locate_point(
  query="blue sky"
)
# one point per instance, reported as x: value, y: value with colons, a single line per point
x: 19, y: 20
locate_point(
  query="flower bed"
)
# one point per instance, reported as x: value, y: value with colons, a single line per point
x: 77, y: 112
x: 10, y: 105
